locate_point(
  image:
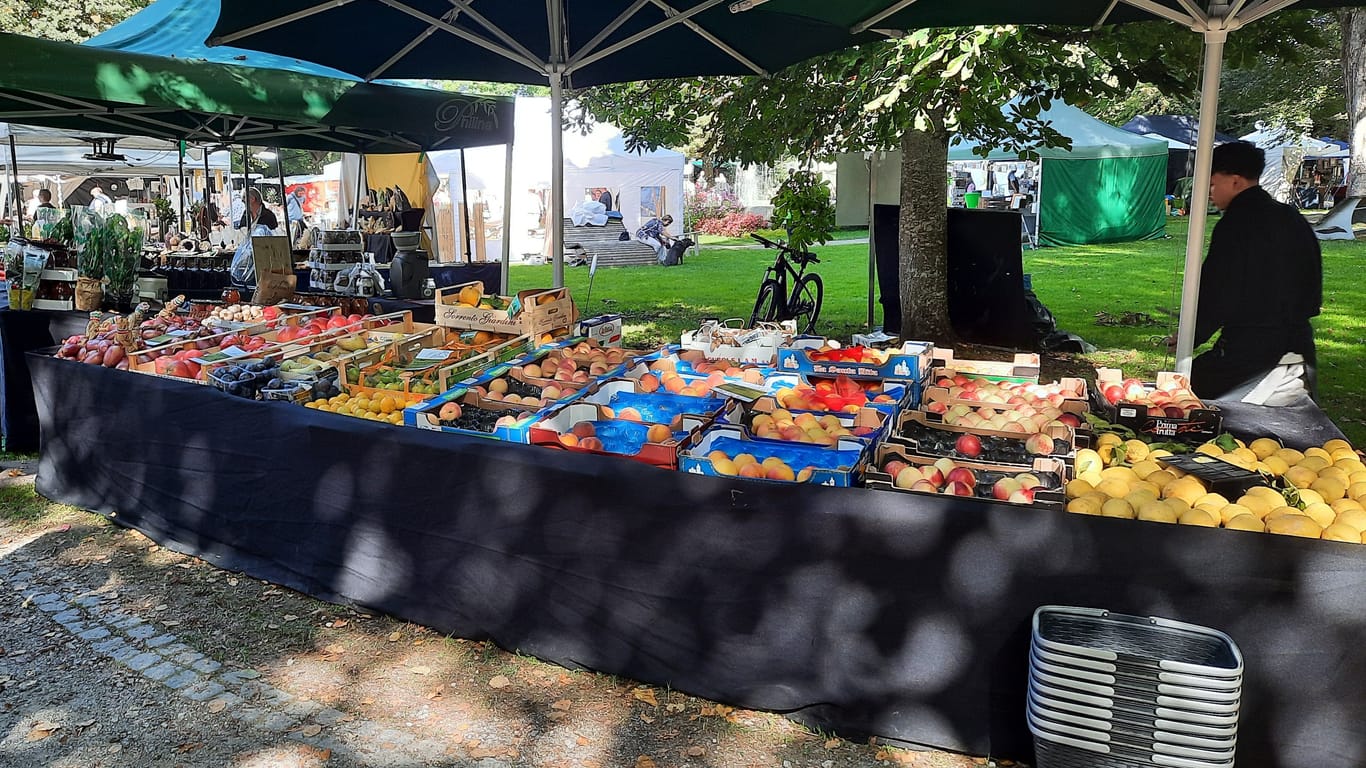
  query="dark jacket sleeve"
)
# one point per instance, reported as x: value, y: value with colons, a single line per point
x: 1216, y: 278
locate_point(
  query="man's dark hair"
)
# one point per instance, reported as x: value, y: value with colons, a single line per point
x: 255, y: 194
x: 1239, y: 158
x: 45, y: 195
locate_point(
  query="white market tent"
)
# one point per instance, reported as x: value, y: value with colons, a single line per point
x: 1285, y: 151
x: 640, y: 183
x: 60, y: 155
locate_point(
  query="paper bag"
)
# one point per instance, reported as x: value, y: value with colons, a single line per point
x: 275, y: 279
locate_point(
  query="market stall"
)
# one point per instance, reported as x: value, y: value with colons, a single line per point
x: 894, y: 611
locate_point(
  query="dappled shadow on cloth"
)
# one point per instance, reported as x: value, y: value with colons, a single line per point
x: 864, y: 612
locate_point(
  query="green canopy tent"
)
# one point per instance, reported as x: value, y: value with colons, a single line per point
x: 1107, y: 188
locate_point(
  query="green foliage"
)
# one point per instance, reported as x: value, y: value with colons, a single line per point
x: 124, y: 250
x: 803, y: 207
x: 481, y: 88
x: 163, y: 208
x: 72, y: 21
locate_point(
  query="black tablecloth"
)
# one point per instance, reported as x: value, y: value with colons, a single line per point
x: 444, y: 275
x: 1297, y: 426
x: 861, y: 611
x: 21, y: 332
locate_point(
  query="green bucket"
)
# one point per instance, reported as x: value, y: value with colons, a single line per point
x: 973, y: 200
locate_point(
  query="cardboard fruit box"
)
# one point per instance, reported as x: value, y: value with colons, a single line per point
x: 1053, y: 473
x: 626, y: 439
x: 918, y: 434
x: 1024, y: 368
x: 872, y: 420
x: 658, y: 407
x: 426, y: 415
x: 937, y: 391
x: 938, y: 405
x: 731, y: 340
x: 910, y: 362
x: 841, y: 466
x: 1199, y: 423
x: 534, y: 312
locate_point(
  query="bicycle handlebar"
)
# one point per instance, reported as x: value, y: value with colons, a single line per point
x: 805, y: 257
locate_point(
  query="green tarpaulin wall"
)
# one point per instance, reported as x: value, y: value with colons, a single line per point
x: 1108, y: 187
x: 1102, y: 200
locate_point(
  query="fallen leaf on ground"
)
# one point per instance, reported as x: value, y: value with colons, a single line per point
x: 171, y: 623
x: 479, y: 753
x: 881, y: 755
x: 646, y: 718
x: 41, y: 730
x: 395, y: 636
x: 832, y: 743
x: 421, y: 670
x: 696, y: 751
x: 564, y: 679
x: 312, y: 729
x: 582, y: 741
x: 289, y: 617
x: 562, y: 705
x: 675, y: 708
x: 339, y: 623
x: 189, y: 746
x: 217, y: 706
x: 645, y: 761
x: 646, y: 695
x: 366, y: 702
x: 499, y: 681
x: 419, y: 641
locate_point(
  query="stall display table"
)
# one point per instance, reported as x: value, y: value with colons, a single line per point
x: 444, y: 275
x: 905, y: 617
x: 21, y: 332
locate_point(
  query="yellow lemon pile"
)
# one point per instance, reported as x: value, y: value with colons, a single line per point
x: 383, y: 408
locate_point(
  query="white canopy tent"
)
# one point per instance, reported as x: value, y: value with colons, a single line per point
x: 641, y: 183
x: 1285, y: 151
x: 60, y: 155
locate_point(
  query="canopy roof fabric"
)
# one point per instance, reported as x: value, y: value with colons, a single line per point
x: 85, y: 88
x: 53, y: 151
x: 1091, y: 139
x: 1312, y: 148
x: 178, y: 29
x: 1181, y: 128
x: 605, y: 41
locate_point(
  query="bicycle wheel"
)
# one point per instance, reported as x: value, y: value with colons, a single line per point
x: 805, y: 304
x: 769, y: 303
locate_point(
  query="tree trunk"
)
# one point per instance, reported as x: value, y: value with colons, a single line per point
x: 1353, y: 24
x: 923, y: 236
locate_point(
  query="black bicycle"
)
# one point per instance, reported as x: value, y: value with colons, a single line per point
x: 775, y: 304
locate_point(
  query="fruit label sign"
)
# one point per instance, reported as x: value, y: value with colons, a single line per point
x: 226, y: 353
x: 433, y: 354
x: 176, y: 333
x: 158, y: 340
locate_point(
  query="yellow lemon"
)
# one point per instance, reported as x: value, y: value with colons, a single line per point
x: 1108, y: 438
x: 1275, y: 465
x: 1264, y: 446
x: 1358, y: 487
x: 1157, y: 453
x: 1135, y: 451
x: 1084, y: 506
x: 1200, y: 517
x: 1310, y: 496
x: 1137, y: 498
x: 1356, y: 518
x: 1144, y: 468
x: 1210, y: 449
x: 1336, y: 473
x: 1317, y: 452
x: 1187, y: 492
x: 1120, y: 473
x: 1294, y: 525
x: 1344, y: 504
x: 1257, y: 506
x: 1117, y: 508
x: 1315, y: 463
x: 1238, y: 460
x: 1350, y: 466
x: 1301, y: 476
x: 1321, y: 513
x: 1078, y: 488
x: 1157, y: 512
x: 1337, y: 444
x: 1113, y: 488
x: 1160, y: 478
x: 1211, y: 500
x: 1091, y: 476
x: 1245, y: 523
x: 1330, y: 488
x: 1177, y: 506
x: 1231, y: 511
x: 1270, y: 494
x: 1283, y: 512
x: 1290, y: 456
x: 1337, y: 532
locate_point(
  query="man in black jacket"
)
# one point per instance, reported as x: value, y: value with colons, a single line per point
x: 1261, y: 281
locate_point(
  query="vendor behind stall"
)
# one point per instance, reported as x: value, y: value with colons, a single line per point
x: 1260, y: 284
x: 257, y: 214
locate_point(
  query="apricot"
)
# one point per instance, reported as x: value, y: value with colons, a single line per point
x: 751, y: 470
x: 648, y: 383
x: 591, y: 444
x: 629, y: 414
x: 568, y: 440
x: 725, y: 467
x: 658, y: 433
x: 584, y: 429
x: 780, y: 471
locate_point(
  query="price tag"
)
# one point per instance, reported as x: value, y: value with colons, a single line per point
x: 159, y: 340
x: 178, y: 332
x: 433, y: 354
x: 297, y: 307
x: 515, y: 308
x: 739, y: 392
x: 227, y: 353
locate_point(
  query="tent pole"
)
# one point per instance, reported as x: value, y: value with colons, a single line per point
x: 507, y: 220
x: 465, y: 208
x: 360, y: 183
x: 284, y: 200
x: 555, y: 230
x: 872, y: 254
x: 1199, y: 213
x: 180, y: 192
x: 14, y: 190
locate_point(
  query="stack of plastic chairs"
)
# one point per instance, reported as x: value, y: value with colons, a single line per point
x: 1114, y: 691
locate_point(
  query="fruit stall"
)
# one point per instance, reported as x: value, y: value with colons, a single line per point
x: 857, y: 537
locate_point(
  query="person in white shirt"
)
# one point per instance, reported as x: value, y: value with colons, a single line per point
x: 99, y: 201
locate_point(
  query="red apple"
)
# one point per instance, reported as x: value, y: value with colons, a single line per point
x: 962, y: 475
x: 958, y: 489
x: 1004, y: 487
x: 907, y: 477
x: 894, y: 466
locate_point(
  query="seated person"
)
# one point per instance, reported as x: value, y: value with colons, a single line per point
x: 257, y: 213
x: 655, y: 233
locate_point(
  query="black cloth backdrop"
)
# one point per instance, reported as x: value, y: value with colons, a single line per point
x: 861, y: 611
x: 21, y: 332
x: 986, y: 275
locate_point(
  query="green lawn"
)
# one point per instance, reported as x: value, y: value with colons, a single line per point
x: 1075, y: 283
x: 775, y: 234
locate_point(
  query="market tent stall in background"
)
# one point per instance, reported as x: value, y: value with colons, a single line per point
x: 642, y: 184
x: 1180, y: 133
x: 1286, y: 153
